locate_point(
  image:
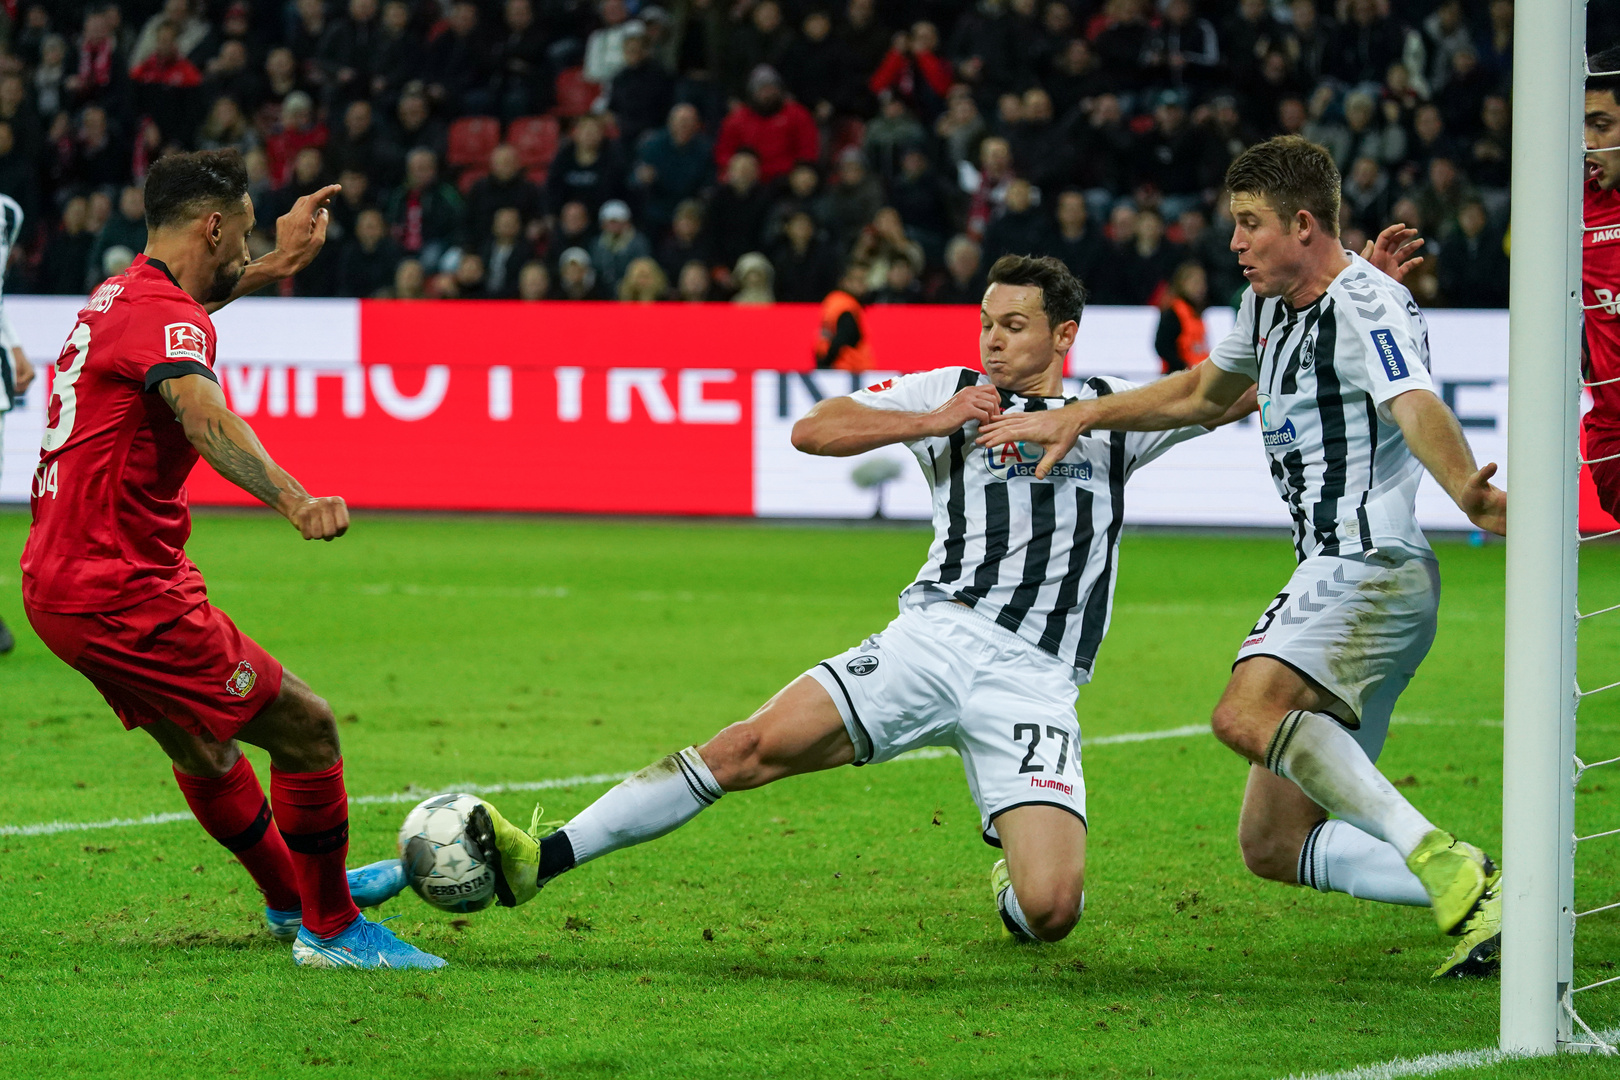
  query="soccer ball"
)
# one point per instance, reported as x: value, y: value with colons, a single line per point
x: 441, y: 864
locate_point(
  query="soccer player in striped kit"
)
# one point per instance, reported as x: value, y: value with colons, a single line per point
x: 994, y: 637
x: 16, y: 373
x: 1339, y: 353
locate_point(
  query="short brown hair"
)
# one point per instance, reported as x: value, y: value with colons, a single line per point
x: 1063, y: 297
x: 1292, y: 174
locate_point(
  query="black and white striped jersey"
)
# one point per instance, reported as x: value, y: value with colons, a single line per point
x: 11, y: 223
x: 1326, y: 374
x: 1034, y: 556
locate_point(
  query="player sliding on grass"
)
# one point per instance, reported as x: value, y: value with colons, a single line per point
x: 992, y: 642
x: 1349, y: 418
x: 108, y: 587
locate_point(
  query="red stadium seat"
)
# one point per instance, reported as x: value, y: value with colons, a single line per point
x: 535, y: 138
x: 471, y: 140
x: 574, y: 94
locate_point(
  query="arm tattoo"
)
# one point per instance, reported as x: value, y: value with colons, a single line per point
x: 173, y: 401
x: 239, y: 465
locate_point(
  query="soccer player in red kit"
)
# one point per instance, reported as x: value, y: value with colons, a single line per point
x: 108, y: 587
x: 1600, y: 275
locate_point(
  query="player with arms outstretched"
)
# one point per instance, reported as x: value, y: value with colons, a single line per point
x: 993, y: 640
x: 108, y: 587
x: 1339, y: 353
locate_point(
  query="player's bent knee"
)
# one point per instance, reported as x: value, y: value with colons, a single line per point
x: 1053, y: 915
x: 1267, y: 856
x: 298, y: 729
x: 733, y: 756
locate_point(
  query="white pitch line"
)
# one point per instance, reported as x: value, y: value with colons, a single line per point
x: 1430, y: 1064
x: 414, y: 794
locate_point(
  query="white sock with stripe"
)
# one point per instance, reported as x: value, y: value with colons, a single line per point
x: 657, y: 800
x: 1338, y: 857
x: 1013, y: 916
x: 1316, y: 753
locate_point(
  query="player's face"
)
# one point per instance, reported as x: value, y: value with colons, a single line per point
x: 1017, y: 346
x: 1603, y: 131
x: 232, y: 252
x: 1268, y: 248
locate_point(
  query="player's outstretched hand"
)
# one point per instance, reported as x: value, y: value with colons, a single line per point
x: 1484, y: 503
x: 976, y: 403
x: 1395, y: 251
x: 321, y: 519
x: 1055, y: 429
x: 301, y: 231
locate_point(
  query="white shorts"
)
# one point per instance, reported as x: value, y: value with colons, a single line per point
x: 1359, y: 627
x: 939, y: 675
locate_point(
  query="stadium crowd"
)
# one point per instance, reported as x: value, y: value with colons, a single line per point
x: 757, y: 150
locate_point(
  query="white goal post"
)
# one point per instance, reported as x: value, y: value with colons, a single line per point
x: 1549, y: 44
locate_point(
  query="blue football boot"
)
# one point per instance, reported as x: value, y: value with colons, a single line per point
x: 363, y: 944
x: 284, y: 924
x: 369, y: 885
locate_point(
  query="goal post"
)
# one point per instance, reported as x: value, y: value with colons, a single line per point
x: 1549, y: 39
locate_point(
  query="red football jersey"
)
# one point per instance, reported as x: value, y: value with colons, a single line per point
x: 1600, y: 294
x: 109, y: 495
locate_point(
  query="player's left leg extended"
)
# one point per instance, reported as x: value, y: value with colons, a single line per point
x: 799, y: 730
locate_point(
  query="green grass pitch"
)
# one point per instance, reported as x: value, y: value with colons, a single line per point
x: 836, y: 925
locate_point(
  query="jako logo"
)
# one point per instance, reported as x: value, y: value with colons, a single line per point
x: 1283, y: 436
x: 1603, y: 236
x: 1011, y: 460
x: 1389, y: 355
x: 862, y: 665
x: 1038, y: 782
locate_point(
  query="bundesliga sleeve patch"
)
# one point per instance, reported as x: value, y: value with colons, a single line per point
x: 1389, y: 355
x: 185, y: 341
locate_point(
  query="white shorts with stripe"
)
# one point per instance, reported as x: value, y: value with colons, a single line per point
x: 1359, y: 626
x: 940, y: 675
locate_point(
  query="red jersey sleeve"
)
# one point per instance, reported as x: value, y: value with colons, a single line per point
x: 165, y: 340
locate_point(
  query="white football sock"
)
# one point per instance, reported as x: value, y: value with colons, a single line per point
x: 1316, y: 753
x: 1338, y: 857
x: 1013, y: 916
x: 658, y: 799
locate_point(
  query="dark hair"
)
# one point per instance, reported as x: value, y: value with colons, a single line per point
x: 1606, y: 61
x: 1063, y: 297
x: 1292, y: 174
x: 180, y: 187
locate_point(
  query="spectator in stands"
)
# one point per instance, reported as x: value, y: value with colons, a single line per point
x: 1430, y: 140
x: 298, y: 129
x: 760, y: 36
x: 17, y: 172
x: 400, y: 54
x: 604, y: 49
x: 779, y: 131
x: 1369, y: 42
x: 1366, y: 194
x: 369, y: 257
x: 1368, y: 135
x: 820, y: 70
x: 1180, y: 339
x: 639, y: 96
x: 964, y: 281
x: 1021, y: 229
x: 960, y: 127
x: 803, y: 193
x: 503, y: 253
x: 227, y: 128
x: 281, y: 77
x: 925, y: 201
x: 65, y: 267
x: 1488, y: 161
x: 685, y: 242
x: 534, y: 282
x: 575, y: 228
x: 643, y: 282
x: 986, y: 186
x: 523, y: 76
x: 1185, y: 54
x: 890, y: 134
x: 347, y: 51
x: 190, y: 32
x: 588, y: 168
x: 913, y: 72
x: 358, y: 144
x: 806, y: 267
x: 415, y: 125
x: 1442, y: 196
x: 883, y: 243
x: 1149, y: 259
x: 124, y: 229
x: 1075, y: 241
x: 166, y: 83
x: 694, y: 286
x: 100, y: 156
x: 457, y: 68
x: 102, y: 65
x: 505, y: 186
x: 231, y: 75
x: 673, y: 164
x: 618, y: 244
x: 50, y: 76
x: 427, y: 214
x: 900, y: 285
x: 851, y: 199
x: 737, y: 211
x: 1473, y: 261
x: 410, y: 281
x: 576, y: 280
x: 753, y: 278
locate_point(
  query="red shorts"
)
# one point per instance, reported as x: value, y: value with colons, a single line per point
x: 175, y: 657
x: 1602, y: 443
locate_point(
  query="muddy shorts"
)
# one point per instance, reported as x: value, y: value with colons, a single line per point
x: 1357, y: 626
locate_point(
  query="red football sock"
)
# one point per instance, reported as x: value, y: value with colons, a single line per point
x: 313, y: 811
x: 233, y: 810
